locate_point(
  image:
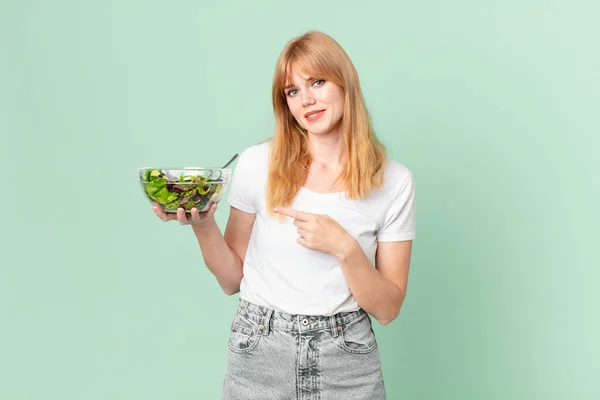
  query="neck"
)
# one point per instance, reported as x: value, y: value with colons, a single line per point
x: 326, y: 150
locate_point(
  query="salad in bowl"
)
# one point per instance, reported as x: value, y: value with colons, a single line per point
x: 183, y: 187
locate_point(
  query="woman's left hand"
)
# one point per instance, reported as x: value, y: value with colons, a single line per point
x: 319, y: 232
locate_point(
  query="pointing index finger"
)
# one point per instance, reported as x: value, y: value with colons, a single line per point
x: 293, y: 213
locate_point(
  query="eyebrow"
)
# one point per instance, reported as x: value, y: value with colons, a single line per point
x: 310, y: 78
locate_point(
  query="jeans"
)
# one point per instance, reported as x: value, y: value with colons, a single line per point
x: 279, y: 356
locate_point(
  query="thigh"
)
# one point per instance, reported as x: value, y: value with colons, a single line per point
x: 351, y: 364
x: 259, y: 366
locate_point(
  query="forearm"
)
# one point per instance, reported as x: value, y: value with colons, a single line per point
x: 220, y: 259
x: 375, y: 294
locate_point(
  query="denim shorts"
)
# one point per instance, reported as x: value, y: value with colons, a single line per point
x: 278, y: 356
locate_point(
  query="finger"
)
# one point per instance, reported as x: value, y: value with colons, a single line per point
x: 160, y: 213
x: 303, y: 242
x: 303, y: 233
x: 181, y: 217
x: 209, y: 212
x: 293, y: 213
x: 301, y: 224
x: 195, y: 215
x: 212, y: 210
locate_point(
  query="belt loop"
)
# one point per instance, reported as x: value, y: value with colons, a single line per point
x: 267, y: 323
x: 334, y: 331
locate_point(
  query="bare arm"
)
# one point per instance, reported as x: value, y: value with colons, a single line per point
x: 380, y: 291
x: 223, y: 254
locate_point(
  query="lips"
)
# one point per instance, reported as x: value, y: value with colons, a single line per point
x: 308, y: 114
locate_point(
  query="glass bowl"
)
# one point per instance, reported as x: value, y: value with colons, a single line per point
x: 184, y: 187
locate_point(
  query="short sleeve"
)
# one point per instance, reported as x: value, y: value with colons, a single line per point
x: 240, y: 194
x: 399, y: 220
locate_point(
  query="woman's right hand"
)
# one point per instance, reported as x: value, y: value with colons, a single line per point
x: 201, y: 220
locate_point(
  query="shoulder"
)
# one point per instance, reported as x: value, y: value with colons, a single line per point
x: 256, y: 153
x: 253, y: 162
x: 396, y: 175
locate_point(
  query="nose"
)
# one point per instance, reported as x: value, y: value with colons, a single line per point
x: 307, y: 98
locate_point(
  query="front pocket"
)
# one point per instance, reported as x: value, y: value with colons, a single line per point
x: 242, y: 339
x: 357, y: 337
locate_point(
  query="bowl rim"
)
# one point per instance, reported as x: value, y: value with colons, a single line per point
x: 187, y: 168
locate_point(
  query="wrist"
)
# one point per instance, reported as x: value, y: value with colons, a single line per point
x: 346, y: 247
x: 205, y: 228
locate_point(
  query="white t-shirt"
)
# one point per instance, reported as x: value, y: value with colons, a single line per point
x: 282, y: 274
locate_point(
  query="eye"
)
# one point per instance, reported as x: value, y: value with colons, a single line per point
x: 319, y: 82
x: 291, y: 92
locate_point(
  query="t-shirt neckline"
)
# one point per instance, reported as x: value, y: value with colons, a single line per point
x: 307, y: 190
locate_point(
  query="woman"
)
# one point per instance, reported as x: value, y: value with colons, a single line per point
x: 312, y: 211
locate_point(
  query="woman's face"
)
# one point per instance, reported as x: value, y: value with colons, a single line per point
x: 317, y: 104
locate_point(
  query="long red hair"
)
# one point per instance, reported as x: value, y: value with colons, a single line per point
x: 318, y: 55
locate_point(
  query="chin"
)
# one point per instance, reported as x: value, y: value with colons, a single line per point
x: 323, y: 131
x: 320, y: 132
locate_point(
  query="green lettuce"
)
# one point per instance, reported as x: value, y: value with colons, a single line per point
x: 187, y: 192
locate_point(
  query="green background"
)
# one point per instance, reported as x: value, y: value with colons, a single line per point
x: 492, y: 104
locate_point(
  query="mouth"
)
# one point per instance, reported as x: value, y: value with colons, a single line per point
x: 313, y: 114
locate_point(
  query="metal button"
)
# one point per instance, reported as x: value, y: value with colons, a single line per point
x: 261, y: 326
x: 304, y: 322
